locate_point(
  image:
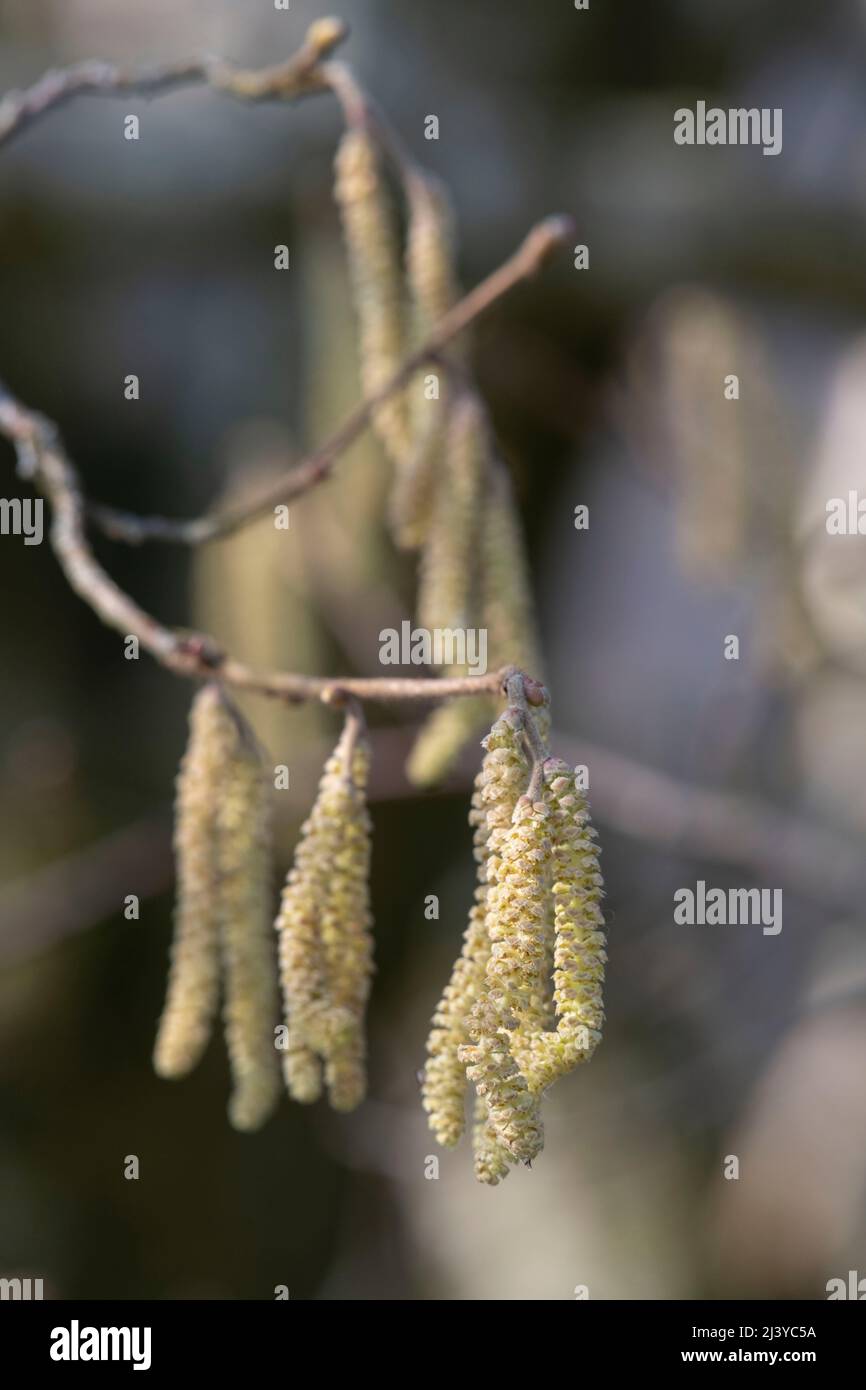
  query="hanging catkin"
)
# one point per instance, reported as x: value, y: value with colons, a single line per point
x: 223, y: 915
x: 516, y: 919
x: 524, y: 1003
x: 491, y: 1159
x: 447, y: 594
x: 500, y: 781
x: 245, y: 917
x: 324, y: 934
x: 501, y: 605
x: 432, y: 286
x: 193, y: 983
x: 579, y: 955
x: 377, y: 281
x: 506, y: 596
x: 346, y: 923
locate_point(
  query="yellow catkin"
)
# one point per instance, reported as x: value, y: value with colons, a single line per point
x: 516, y: 914
x: 348, y: 943
x: 501, y: 604
x: 444, y: 733
x: 432, y: 287
x: 377, y: 281
x: 579, y: 954
x: 193, y: 985
x: 324, y: 935
x: 500, y: 781
x: 413, y: 491
x: 492, y: 1159
x: 245, y: 920
x: 430, y: 272
x: 447, y: 593
x: 506, y: 595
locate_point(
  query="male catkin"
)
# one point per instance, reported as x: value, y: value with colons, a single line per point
x: 517, y: 917
x: 377, y: 281
x: 500, y: 781
x: 193, y: 983
x: 325, y: 945
x: 245, y: 918
x: 432, y: 286
x: 579, y: 955
x: 223, y: 914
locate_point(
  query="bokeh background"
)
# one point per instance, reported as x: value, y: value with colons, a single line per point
x: 706, y: 519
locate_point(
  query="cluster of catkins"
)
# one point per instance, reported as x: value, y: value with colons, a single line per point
x: 451, y: 498
x: 524, y: 1002
x: 224, y: 922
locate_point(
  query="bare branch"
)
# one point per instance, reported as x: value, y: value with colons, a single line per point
x: 535, y: 249
x: 285, y: 81
x: 44, y: 461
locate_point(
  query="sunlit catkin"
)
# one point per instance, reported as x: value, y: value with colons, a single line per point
x: 325, y: 943
x: 516, y: 916
x: 579, y: 954
x: 491, y: 1158
x: 193, y: 984
x: 500, y: 781
x: 377, y: 281
x: 245, y: 916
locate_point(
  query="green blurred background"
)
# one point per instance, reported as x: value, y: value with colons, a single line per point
x: 706, y: 518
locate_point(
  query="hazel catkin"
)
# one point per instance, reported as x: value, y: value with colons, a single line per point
x: 245, y: 918
x: 377, y: 281
x: 194, y: 974
x: 325, y: 944
x: 502, y: 776
x: 222, y: 841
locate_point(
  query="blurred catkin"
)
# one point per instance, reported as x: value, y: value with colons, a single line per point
x: 506, y: 594
x: 324, y: 934
x: 377, y: 281
x: 432, y: 288
x: 246, y: 917
x: 223, y: 916
x: 193, y: 984
x: 497, y: 593
x: 447, y: 594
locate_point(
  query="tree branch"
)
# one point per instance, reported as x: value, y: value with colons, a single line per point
x: 285, y: 81
x: 43, y: 459
x: 529, y: 257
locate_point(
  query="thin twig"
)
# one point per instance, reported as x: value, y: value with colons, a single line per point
x: 542, y: 240
x: 284, y: 81
x: 43, y: 459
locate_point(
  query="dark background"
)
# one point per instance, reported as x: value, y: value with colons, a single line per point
x: 156, y: 257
